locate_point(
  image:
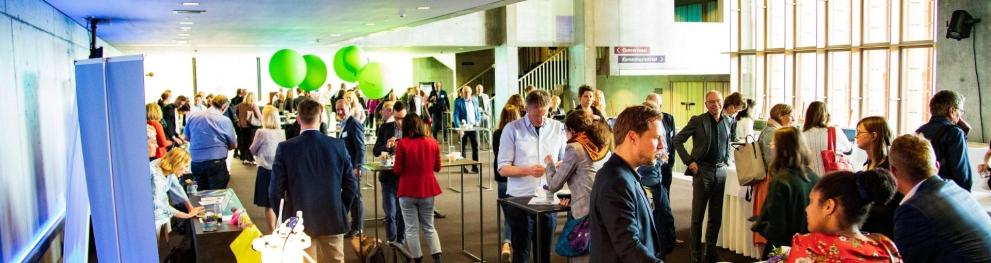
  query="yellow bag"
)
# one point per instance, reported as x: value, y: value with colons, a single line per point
x: 241, y: 247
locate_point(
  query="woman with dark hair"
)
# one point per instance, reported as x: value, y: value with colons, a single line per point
x: 417, y: 159
x: 588, y: 147
x: 817, y: 134
x: 874, y: 136
x: 788, y: 192
x: 745, y: 123
x: 509, y: 114
x: 838, y: 205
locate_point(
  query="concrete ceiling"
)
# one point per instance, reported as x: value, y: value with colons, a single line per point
x: 140, y: 24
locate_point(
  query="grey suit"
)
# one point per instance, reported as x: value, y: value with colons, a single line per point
x: 707, y: 186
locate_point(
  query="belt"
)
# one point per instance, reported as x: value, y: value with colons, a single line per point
x: 214, y: 160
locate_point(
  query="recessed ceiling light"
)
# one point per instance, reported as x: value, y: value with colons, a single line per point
x: 423, y: 8
x: 369, y: 24
x: 186, y: 23
x: 190, y: 3
x: 335, y: 35
x: 187, y: 11
x: 185, y: 27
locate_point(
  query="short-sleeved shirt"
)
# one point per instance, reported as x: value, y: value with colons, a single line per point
x: 209, y: 133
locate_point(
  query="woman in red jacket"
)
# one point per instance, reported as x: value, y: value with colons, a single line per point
x: 417, y: 184
x: 153, y: 117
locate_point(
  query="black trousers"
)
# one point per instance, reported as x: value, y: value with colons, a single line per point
x: 470, y: 137
x: 707, y: 191
x: 211, y: 174
x: 439, y: 125
x: 244, y: 140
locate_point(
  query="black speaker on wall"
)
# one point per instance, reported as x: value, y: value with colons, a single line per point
x: 961, y: 24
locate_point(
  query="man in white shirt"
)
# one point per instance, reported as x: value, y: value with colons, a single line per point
x: 485, y: 108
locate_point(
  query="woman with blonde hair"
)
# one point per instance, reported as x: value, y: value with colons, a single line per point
x: 600, y: 103
x: 153, y: 117
x: 248, y: 120
x: 263, y: 146
x: 165, y: 174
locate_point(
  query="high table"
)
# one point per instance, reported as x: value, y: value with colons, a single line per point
x: 214, y: 246
x: 522, y: 202
x: 469, y: 129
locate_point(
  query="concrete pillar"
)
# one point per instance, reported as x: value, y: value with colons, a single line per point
x: 506, y: 63
x: 581, y: 53
x: 955, y: 65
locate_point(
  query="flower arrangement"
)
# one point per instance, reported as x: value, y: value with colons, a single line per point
x: 778, y: 254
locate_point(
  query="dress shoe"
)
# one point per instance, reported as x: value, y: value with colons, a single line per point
x: 439, y: 215
x: 436, y: 257
x: 352, y: 233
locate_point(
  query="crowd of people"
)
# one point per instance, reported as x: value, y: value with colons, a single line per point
x: 909, y: 201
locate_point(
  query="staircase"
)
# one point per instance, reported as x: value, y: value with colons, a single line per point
x: 486, y: 78
x: 549, y: 75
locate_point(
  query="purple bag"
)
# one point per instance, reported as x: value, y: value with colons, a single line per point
x: 574, y: 240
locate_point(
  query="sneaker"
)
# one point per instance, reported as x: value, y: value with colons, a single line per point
x: 245, y: 162
x: 507, y: 252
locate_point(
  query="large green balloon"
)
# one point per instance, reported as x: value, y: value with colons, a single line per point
x: 372, y: 82
x: 348, y: 61
x: 316, y: 73
x: 287, y: 68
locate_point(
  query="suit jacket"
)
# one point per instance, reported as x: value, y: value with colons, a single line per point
x: 461, y: 111
x: 941, y: 222
x: 700, y: 131
x: 620, y: 217
x: 353, y: 134
x: 950, y: 145
x: 439, y: 102
x: 385, y: 132
x: 313, y: 172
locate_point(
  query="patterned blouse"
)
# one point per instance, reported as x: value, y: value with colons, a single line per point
x: 820, y: 247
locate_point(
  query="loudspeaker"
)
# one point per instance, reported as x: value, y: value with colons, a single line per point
x: 961, y: 23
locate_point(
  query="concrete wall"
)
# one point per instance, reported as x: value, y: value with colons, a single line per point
x: 955, y: 62
x: 469, y: 64
x: 624, y: 91
x: 542, y: 23
x: 40, y: 146
x: 430, y: 70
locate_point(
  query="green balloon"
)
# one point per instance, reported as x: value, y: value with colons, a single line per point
x: 354, y: 58
x: 316, y: 73
x: 340, y: 67
x: 371, y: 81
x: 287, y: 68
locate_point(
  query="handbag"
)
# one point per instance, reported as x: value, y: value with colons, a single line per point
x: 749, y: 162
x: 253, y: 120
x: 574, y: 240
x: 832, y: 161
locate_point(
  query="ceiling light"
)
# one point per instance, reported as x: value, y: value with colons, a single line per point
x: 186, y: 28
x: 188, y: 11
x: 186, y: 23
x: 335, y: 35
x: 180, y: 41
x: 190, y: 3
x: 182, y: 35
x: 369, y: 24
x: 423, y: 8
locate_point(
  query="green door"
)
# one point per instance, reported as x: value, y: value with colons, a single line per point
x: 687, y: 100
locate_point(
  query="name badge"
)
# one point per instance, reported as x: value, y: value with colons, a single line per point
x: 344, y: 134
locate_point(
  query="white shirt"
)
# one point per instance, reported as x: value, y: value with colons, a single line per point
x: 419, y: 104
x: 817, y: 141
x: 520, y: 146
x: 470, y: 107
x: 911, y: 192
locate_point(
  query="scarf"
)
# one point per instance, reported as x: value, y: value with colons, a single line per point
x: 594, y: 151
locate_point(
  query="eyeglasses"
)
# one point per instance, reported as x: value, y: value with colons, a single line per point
x: 712, y: 101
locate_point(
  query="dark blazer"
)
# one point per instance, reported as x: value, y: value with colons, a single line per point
x: 168, y: 120
x: 950, y: 145
x: 620, y: 217
x: 385, y: 132
x: 313, y: 172
x: 699, y: 130
x: 353, y: 134
x: 440, y: 102
x: 941, y: 222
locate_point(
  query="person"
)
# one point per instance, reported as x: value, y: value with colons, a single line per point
x: 516, y: 100
x: 180, y: 120
x: 246, y: 112
x: 508, y: 115
x: 485, y: 106
x: 153, y: 117
x: 467, y: 113
x: 621, y: 223
x: 171, y: 118
x: 658, y: 179
x: 211, y: 135
x: 414, y: 101
x: 380, y: 108
x: 523, y: 144
x: 231, y: 114
x: 874, y: 137
x: 780, y: 117
x: 288, y: 104
x: 745, y: 123
x: 816, y: 131
x: 316, y: 170
x: 937, y: 221
x: 300, y: 96
x: 263, y: 147
x: 711, y: 134
x: 280, y: 101
x: 198, y: 103
x: 586, y: 100
x: 732, y: 105
x: 386, y: 137
x: 164, y: 98
x: 152, y: 141
x: 837, y: 207
x: 949, y: 141
x: 417, y: 159
x: 353, y: 136
x: 600, y: 103
x: 983, y: 167
x: 586, y: 152
x: 556, y: 112
x: 528, y: 89
x: 165, y: 184
x: 439, y: 106
x: 791, y: 181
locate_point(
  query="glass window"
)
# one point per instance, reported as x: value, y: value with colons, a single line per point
x: 876, y: 21
x: 839, y: 81
x: 807, y: 11
x: 875, y: 81
x: 917, y: 78
x: 839, y: 22
x: 916, y: 26
x: 776, y: 23
x: 747, y: 24
x: 776, y: 79
x: 805, y: 80
x: 747, y: 76
x: 698, y: 11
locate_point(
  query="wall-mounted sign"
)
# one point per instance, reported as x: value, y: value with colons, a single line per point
x: 636, y: 59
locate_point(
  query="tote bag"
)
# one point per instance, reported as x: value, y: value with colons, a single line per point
x: 749, y: 162
x: 831, y: 160
x: 574, y: 240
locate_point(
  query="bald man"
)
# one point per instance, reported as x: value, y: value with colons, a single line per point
x: 710, y: 132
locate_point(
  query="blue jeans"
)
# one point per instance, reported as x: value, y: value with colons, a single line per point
x: 358, y: 211
x: 390, y: 205
x: 419, y: 213
x: 507, y: 235
x: 663, y: 218
x: 524, y: 226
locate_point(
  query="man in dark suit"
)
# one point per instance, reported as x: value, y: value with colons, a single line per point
x: 620, y: 218
x: 948, y: 140
x: 710, y: 133
x: 658, y: 177
x: 353, y: 135
x: 439, y: 106
x: 387, y: 136
x: 937, y: 220
x: 314, y: 173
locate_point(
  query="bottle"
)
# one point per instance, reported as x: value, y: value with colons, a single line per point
x: 194, y: 188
